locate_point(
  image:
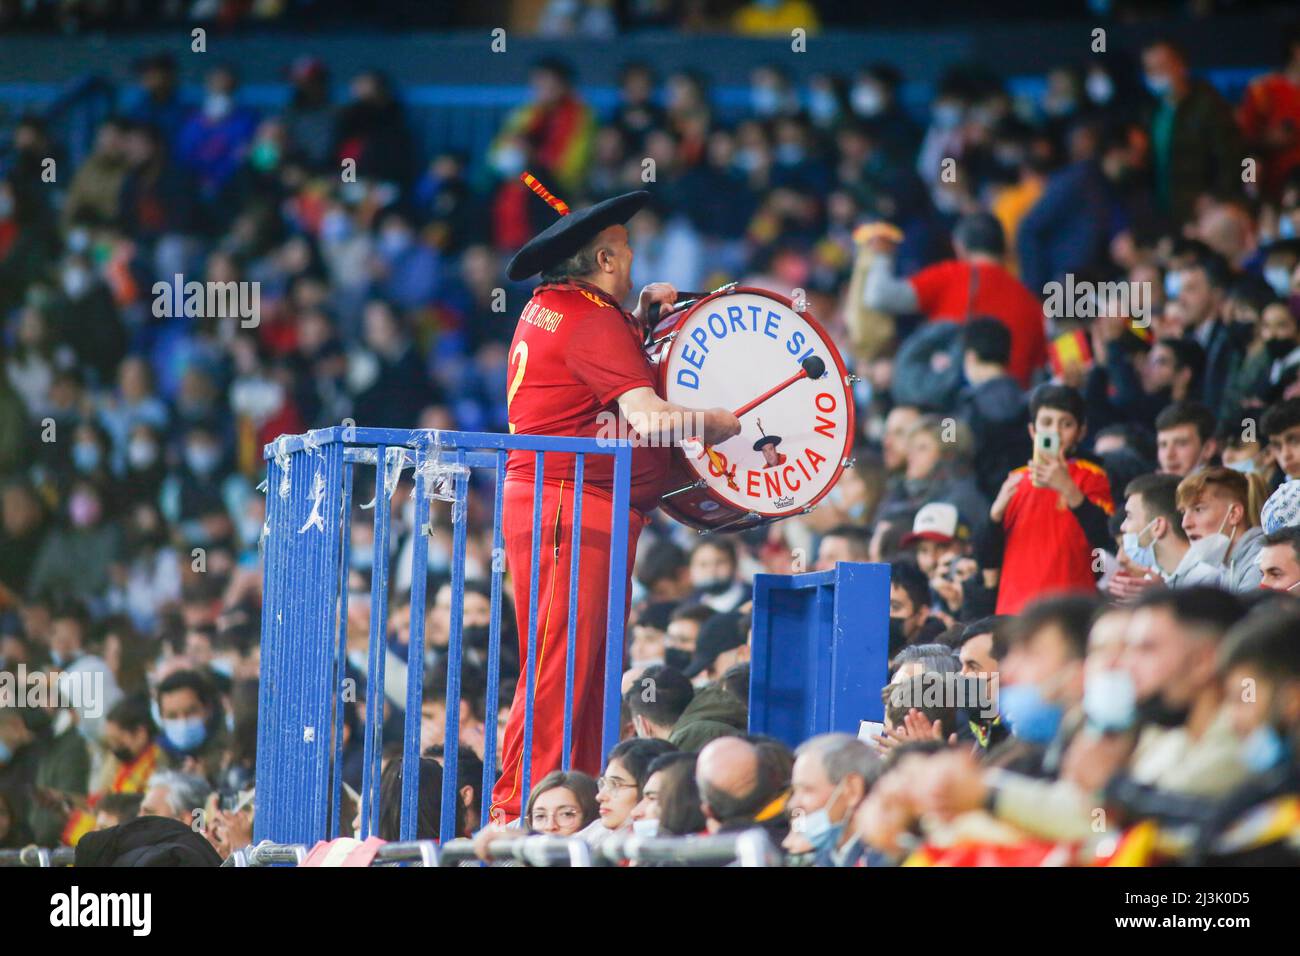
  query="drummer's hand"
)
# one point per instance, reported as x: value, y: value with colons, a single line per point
x: 719, y: 425
x: 661, y: 292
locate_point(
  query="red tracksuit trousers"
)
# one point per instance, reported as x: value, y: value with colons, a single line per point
x: 555, y: 556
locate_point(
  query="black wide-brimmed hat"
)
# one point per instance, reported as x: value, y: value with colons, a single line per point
x: 570, y: 232
x: 765, y: 441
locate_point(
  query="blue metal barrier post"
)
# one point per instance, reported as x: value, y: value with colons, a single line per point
x: 819, y: 651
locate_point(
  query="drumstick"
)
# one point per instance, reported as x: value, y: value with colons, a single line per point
x: 812, y: 367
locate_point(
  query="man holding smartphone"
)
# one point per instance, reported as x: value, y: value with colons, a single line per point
x: 1044, y: 532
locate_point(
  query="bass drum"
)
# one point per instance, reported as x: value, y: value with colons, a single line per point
x: 724, y: 351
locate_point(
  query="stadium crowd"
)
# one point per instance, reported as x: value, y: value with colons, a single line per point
x: 1122, y: 596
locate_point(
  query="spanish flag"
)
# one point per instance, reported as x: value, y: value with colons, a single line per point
x: 131, y: 778
x: 1070, y: 349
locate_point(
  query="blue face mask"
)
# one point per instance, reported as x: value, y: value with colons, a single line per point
x: 823, y: 105
x: 85, y: 456
x: 6, y: 753
x: 1173, y: 283
x: 1032, y: 717
x: 1263, y: 749
x: 1144, y: 557
x: 817, y: 828
x: 186, y: 734
x: 1158, y: 85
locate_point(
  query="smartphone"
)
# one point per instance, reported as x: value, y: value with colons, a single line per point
x: 869, y: 730
x: 1047, y: 447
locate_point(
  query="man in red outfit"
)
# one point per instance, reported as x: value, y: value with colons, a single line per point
x: 976, y: 284
x: 576, y: 359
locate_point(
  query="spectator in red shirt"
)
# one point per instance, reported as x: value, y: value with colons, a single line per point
x: 975, y: 283
x: 1045, y: 531
x: 1269, y: 117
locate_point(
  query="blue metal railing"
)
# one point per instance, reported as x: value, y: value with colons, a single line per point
x: 306, y: 562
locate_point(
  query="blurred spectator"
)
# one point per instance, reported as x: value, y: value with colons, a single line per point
x: 557, y: 128
x: 212, y: 142
x: 974, y: 284
x: 371, y: 130
x: 94, y: 196
x: 1067, y: 229
x: 1269, y: 117
x: 156, y: 101
x: 1195, y: 145
x: 776, y: 17
x: 674, y: 711
x: 992, y: 403
x: 309, y: 120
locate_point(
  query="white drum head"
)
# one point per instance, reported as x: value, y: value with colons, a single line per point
x: 791, y: 448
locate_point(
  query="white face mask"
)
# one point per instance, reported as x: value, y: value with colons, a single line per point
x: 76, y: 280
x: 1099, y: 87
x: 1211, y: 549
x: 217, y: 105
x: 1110, y: 700
x: 509, y: 161
x: 141, y: 453
x: 867, y: 100
x: 646, y: 828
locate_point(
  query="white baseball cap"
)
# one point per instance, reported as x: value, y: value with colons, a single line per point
x: 936, y: 521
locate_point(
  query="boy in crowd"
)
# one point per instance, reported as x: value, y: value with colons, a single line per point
x: 1279, y: 560
x: 1185, y: 438
x: 1044, y: 530
x: 1281, y: 424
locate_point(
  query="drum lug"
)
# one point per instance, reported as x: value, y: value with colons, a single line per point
x: 848, y: 463
x: 852, y: 379
x: 658, y: 356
